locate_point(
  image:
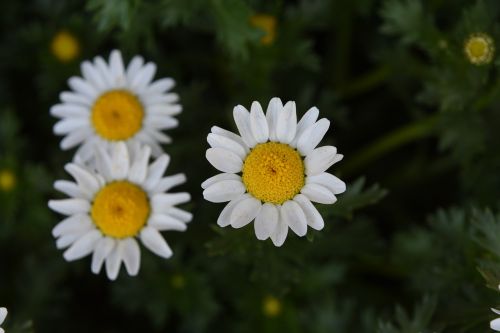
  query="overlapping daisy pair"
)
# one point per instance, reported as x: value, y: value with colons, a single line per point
x: 272, y: 171
x: 116, y: 116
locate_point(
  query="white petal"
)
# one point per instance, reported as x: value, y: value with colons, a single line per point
x: 159, y: 136
x: 318, y: 193
x: 3, y: 314
x: 139, y: 168
x: 220, y: 141
x: 69, y: 110
x: 75, y: 138
x: 154, y: 241
x: 164, y: 222
x: 71, y: 189
x: 179, y: 214
x: 161, y: 122
x: 69, y: 238
x: 156, y: 170
x: 104, y: 164
x: 166, y: 183
x: 308, y: 119
x: 242, y: 120
x: 92, y: 74
x: 161, y: 99
x: 258, y: 123
x: 275, y: 106
x: 312, y: 136
x: 83, y: 87
x: 224, y: 190
x: 495, y: 324
x: 113, y: 261
x: 68, y: 125
x: 75, y: 98
x: 103, y: 248
x: 131, y: 255
x: 279, y: 235
x: 143, y: 77
x: 84, y: 246
x: 159, y: 108
x: 117, y: 68
x: 293, y: 215
x: 144, y: 138
x: 319, y: 160
x: 133, y: 67
x: 224, y: 160
x: 160, y: 86
x: 313, y: 217
x: 495, y: 310
x: 104, y: 70
x: 169, y: 199
x: 225, y: 216
x: 87, y: 181
x: 73, y: 224
x: 266, y: 221
x: 86, y: 151
x: 230, y: 135
x: 219, y: 177
x: 121, y: 161
x: 244, y: 212
x: 329, y: 181
x: 70, y: 206
x: 286, y: 123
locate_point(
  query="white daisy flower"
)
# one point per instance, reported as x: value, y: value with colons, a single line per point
x: 3, y: 314
x: 111, y: 103
x: 123, y: 199
x: 272, y: 171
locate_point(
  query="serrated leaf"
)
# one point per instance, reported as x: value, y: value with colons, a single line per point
x: 355, y: 197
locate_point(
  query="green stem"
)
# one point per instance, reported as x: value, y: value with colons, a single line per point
x: 390, y: 142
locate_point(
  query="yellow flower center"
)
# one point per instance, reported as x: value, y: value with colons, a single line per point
x: 273, y: 172
x: 65, y: 46
x: 479, y: 49
x: 7, y: 180
x: 271, y: 306
x: 117, y: 115
x: 120, y: 209
x: 266, y: 23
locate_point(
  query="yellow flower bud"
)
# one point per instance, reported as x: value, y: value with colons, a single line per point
x: 271, y: 306
x: 479, y: 48
x: 7, y: 180
x: 266, y: 23
x: 65, y: 46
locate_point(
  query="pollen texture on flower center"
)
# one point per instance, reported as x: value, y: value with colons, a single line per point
x: 117, y: 115
x: 120, y: 209
x: 273, y: 172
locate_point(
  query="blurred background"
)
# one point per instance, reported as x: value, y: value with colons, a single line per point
x: 412, y: 246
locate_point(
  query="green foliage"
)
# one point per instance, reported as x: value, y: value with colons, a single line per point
x: 412, y: 246
x: 418, y: 322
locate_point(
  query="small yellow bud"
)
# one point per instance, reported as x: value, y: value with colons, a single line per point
x: 65, y: 46
x: 7, y: 180
x: 178, y: 281
x: 479, y: 48
x: 271, y: 306
x: 266, y: 23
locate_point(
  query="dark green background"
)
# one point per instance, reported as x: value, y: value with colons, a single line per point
x: 412, y: 246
